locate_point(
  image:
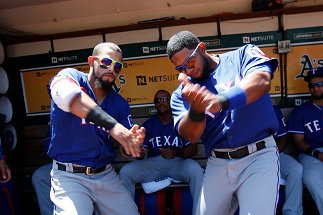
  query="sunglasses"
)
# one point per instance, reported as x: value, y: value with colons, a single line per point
x: 106, y: 61
x: 188, y: 63
x: 160, y: 100
x: 318, y: 84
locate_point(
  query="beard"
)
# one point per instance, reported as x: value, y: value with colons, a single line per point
x: 317, y: 97
x: 100, y: 84
x: 207, y: 70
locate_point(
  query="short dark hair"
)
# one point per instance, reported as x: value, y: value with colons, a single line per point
x: 162, y: 90
x: 180, y: 40
x: 101, y: 47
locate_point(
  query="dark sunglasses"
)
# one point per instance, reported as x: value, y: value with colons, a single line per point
x: 185, y: 65
x: 318, y: 84
x: 106, y: 61
x: 160, y: 100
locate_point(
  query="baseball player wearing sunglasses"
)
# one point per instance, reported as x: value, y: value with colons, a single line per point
x: 224, y: 101
x: 87, y: 116
x: 306, y: 125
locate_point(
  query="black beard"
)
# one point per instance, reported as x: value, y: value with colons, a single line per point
x: 317, y: 98
x: 99, y: 84
x: 206, y: 70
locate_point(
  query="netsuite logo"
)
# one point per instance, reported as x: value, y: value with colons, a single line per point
x: 143, y: 80
x: 63, y: 59
x: 147, y: 50
x: 257, y: 38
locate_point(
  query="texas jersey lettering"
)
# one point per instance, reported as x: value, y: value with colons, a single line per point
x: 156, y: 137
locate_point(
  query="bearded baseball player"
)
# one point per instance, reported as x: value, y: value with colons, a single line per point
x: 224, y: 101
x: 87, y: 115
x: 306, y: 126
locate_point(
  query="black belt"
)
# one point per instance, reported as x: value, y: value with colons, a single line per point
x: 237, y: 153
x: 81, y: 169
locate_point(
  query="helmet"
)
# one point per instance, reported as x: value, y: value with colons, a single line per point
x: 318, y: 72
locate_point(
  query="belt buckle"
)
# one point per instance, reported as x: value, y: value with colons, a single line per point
x: 233, y: 150
x: 88, y: 171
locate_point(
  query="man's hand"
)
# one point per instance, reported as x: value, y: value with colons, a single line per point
x: 130, y: 142
x: 200, y: 98
x: 168, y: 153
x: 5, y: 172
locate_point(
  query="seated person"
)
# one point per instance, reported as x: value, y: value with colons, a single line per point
x: 167, y: 153
x: 290, y: 170
x: 306, y: 126
x: 41, y: 182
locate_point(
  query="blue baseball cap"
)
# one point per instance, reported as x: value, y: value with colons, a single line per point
x: 318, y: 72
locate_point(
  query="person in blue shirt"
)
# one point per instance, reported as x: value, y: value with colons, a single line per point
x: 41, y: 183
x: 168, y: 154
x: 86, y: 117
x: 224, y: 101
x: 291, y: 171
x: 306, y: 126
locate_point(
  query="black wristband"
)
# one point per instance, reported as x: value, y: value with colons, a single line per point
x: 195, y: 116
x: 224, y: 102
x: 101, y: 118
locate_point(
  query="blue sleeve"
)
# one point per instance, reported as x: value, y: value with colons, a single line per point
x: 179, y: 106
x: 253, y: 59
x: 295, y: 123
x: 282, y: 130
x: 125, y: 118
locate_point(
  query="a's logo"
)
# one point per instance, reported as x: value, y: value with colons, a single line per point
x: 307, y: 65
x: 141, y: 80
x: 246, y: 39
x: 54, y: 59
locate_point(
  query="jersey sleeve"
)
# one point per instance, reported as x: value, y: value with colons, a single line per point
x: 125, y: 117
x: 282, y: 130
x: 253, y: 59
x: 67, y: 72
x: 179, y: 106
x: 295, y: 123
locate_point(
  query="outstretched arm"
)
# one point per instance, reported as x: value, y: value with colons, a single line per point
x: 68, y: 96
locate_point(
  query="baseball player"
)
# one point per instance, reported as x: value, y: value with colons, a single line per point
x: 224, y: 101
x: 167, y: 153
x: 306, y: 126
x: 87, y: 115
x: 290, y: 170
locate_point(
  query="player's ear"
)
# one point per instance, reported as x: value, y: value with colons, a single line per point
x: 202, y: 47
x: 90, y: 60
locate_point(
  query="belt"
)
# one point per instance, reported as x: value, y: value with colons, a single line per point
x: 238, y: 153
x: 81, y: 169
